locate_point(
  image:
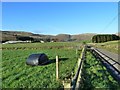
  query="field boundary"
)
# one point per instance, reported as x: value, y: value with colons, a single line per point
x: 111, y: 65
x: 75, y: 84
x: 106, y: 61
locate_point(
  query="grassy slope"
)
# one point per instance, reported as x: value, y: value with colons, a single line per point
x: 111, y: 46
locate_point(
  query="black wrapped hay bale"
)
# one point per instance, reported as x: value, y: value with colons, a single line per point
x: 37, y: 59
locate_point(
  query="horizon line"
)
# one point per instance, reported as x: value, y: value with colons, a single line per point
x: 58, y: 33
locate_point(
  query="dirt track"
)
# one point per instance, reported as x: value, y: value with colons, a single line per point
x: 114, y: 56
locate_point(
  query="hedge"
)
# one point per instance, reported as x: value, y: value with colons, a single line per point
x: 104, y: 38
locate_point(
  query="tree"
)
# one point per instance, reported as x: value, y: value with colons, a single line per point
x: 104, y: 38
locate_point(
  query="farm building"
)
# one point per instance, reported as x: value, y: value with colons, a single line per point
x: 42, y: 41
x: 13, y: 42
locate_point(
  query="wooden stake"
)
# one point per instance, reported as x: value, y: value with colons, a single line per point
x: 56, y: 67
x: 76, y: 52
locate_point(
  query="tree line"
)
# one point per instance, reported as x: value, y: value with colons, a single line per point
x: 104, y: 38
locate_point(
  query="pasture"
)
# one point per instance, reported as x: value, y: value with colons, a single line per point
x: 16, y: 74
x: 112, y: 46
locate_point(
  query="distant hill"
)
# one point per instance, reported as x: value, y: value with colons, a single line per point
x: 15, y: 35
x: 79, y: 37
x: 63, y: 37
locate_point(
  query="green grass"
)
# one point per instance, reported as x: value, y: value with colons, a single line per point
x: 111, y: 46
x: 16, y: 74
x: 40, y: 45
x: 95, y: 75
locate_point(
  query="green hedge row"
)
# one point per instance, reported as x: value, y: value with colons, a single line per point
x: 104, y: 38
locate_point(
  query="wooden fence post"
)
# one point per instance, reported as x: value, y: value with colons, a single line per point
x: 76, y: 52
x: 56, y: 67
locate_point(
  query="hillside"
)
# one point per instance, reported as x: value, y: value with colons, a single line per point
x: 15, y: 35
x: 108, y: 45
x: 79, y: 37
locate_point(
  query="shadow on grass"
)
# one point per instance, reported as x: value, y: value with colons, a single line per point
x: 50, y: 61
x: 54, y: 61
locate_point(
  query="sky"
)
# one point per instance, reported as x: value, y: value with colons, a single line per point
x: 60, y: 17
x: 60, y: 0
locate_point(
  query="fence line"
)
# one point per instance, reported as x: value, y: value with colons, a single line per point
x: 109, y: 63
x: 115, y: 72
x: 75, y: 84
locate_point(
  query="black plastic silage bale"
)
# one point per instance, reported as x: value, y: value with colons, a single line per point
x: 37, y: 59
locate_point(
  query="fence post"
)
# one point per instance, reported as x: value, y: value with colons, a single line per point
x: 76, y: 52
x: 56, y: 67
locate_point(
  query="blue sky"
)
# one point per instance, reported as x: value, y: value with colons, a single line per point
x: 60, y: 17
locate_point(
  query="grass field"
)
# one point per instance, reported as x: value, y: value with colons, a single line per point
x: 112, y: 46
x: 16, y: 74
